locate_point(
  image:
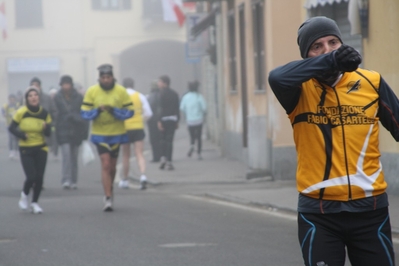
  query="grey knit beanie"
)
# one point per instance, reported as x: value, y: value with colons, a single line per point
x: 313, y: 29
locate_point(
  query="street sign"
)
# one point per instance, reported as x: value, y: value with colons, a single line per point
x: 195, y: 47
x: 34, y: 64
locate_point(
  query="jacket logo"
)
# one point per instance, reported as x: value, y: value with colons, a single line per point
x: 353, y: 86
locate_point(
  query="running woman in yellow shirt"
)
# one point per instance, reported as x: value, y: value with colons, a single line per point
x: 34, y: 122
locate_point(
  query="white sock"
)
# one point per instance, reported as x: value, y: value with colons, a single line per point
x: 143, y: 178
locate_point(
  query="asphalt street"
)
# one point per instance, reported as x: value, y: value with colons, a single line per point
x: 170, y: 224
x: 153, y: 227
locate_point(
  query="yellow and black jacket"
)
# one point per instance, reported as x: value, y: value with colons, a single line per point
x: 27, y: 125
x: 336, y: 129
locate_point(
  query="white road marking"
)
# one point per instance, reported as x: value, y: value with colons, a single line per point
x: 187, y: 245
x: 5, y: 240
x: 272, y: 212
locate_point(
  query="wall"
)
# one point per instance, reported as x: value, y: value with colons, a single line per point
x: 81, y: 38
x: 266, y: 120
x: 281, y: 49
x: 381, y: 51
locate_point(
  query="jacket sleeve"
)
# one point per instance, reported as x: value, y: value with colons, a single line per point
x: 87, y: 111
x: 389, y: 109
x: 286, y: 81
x: 47, y: 130
x: 75, y: 111
x: 127, y: 108
x: 13, y: 128
x: 122, y: 113
x: 147, y: 111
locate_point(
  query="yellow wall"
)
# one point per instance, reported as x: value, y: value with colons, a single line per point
x: 381, y: 52
x: 281, y: 48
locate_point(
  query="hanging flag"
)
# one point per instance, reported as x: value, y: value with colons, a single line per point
x: 172, y: 11
x: 3, y: 22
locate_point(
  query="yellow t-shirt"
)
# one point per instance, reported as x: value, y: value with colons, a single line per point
x: 137, y: 121
x: 31, y: 123
x: 105, y: 124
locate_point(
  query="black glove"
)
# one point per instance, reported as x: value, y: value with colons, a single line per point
x: 347, y: 59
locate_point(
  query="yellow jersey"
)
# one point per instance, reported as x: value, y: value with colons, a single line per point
x: 107, y: 126
x: 31, y: 123
x: 137, y: 121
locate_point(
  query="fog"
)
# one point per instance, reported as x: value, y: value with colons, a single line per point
x: 50, y: 38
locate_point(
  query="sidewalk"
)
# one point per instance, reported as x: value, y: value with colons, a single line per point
x: 224, y: 179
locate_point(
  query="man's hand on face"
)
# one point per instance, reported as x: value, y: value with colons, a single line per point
x: 347, y: 59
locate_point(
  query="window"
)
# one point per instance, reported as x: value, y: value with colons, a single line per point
x: 259, y: 44
x: 111, y: 4
x: 28, y: 14
x: 232, y: 50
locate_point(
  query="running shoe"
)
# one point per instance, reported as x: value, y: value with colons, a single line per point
x: 66, y: 185
x: 162, y: 166
x: 124, y: 183
x: 143, y: 185
x: 108, y: 205
x: 170, y: 166
x: 23, y: 201
x: 36, y: 208
x: 190, y: 151
x: 74, y: 186
x: 143, y: 182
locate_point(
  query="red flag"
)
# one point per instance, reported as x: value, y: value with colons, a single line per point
x: 172, y: 11
x: 179, y: 13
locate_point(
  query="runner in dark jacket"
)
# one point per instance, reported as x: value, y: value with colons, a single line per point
x: 168, y: 120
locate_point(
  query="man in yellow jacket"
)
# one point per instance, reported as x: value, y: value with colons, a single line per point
x: 335, y: 108
x: 136, y: 134
x: 107, y: 105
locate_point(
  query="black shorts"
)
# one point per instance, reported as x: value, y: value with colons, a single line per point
x: 135, y: 135
x: 113, y: 150
x: 366, y: 235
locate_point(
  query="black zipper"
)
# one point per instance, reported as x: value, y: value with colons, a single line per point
x: 344, y: 143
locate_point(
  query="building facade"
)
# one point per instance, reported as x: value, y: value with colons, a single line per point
x: 49, y: 38
x: 255, y: 36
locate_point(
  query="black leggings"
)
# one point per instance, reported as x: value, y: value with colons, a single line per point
x: 167, y: 135
x: 34, y: 164
x: 195, y: 135
x: 366, y: 236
